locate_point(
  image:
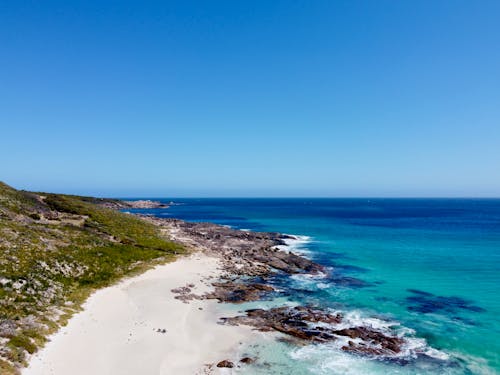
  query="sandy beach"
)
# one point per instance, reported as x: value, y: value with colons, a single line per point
x: 138, y: 327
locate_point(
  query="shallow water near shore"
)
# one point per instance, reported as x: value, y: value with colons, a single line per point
x: 427, y: 267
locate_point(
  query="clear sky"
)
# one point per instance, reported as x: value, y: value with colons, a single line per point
x: 251, y: 98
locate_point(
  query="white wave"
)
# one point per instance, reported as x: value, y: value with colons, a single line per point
x: 438, y: 354
x: 412, y: 347
x: 328, y: 360
x: 308, y: 277
x: 325, y: 359
x: 323, y: 285
x: 475, y: 364
x: 297, y: 244
x: 357, y: 318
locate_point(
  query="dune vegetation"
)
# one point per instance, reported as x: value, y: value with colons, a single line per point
x: 54, y: 251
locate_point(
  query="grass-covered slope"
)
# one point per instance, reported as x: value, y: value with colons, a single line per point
x: 54, y: 251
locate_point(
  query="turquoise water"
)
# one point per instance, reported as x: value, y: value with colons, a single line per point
x: 429, y: 268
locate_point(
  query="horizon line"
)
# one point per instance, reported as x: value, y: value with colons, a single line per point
x: 302, y: 197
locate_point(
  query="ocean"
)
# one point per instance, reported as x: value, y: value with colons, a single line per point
x: 428, y: 269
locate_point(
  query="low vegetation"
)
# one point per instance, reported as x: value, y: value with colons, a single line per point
x: 54, y: 251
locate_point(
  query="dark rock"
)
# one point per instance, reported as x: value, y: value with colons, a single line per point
x: 184, y: 293
x: 225, y: 363
x: 181, y: 290
x: 247, y: 360
x: 238, y: 292
x: 242, y: 253
x: 142, y: 204
x: 313, y: 325
x: 249, y: 260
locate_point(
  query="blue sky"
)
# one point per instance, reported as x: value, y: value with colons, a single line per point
x: 251, y: 98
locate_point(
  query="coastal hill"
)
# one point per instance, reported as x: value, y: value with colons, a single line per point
x: 54, y: 251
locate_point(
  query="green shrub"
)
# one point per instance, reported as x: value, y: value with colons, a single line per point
x: 22, y: 342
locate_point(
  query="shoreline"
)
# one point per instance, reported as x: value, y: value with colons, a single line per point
x: 167, y: 320
x: 121, y: 328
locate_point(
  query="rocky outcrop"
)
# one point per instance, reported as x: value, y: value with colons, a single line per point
x: 184, y: 293
x: 238, y: 292
x: 291, y: 321
x: 145, y: 204
x: 247, y: 360
x: 314, y: 325
x: 225, y: 363
x: 248, y: 260
x: 117, y: 204
x: 370, y: 341
x: 242, y: 253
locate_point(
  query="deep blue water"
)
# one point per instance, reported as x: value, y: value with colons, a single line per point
x: 430, y: 265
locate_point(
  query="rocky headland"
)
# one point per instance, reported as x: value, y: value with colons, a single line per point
x: 249, y: 260
x: 119, y: 204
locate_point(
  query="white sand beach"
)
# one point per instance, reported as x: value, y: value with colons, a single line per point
x: 117, y: 332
